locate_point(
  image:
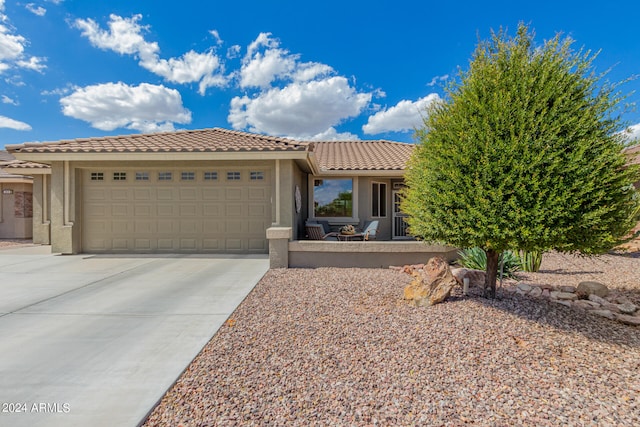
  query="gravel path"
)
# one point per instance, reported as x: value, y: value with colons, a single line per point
x: 340, y: 347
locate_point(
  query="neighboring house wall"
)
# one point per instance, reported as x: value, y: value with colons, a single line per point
x: 16, y: 210
x: 41, y: 209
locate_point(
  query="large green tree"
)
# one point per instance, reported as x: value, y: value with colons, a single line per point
x: 523, y: 153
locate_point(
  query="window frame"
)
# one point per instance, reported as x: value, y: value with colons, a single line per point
x: 379, y: 211
x: 119, y: 176
x: 354, y: 199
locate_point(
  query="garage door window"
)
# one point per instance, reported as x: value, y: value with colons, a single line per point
x: 97, y: 176
x: 142, y: 176
x: 233, y: 176
x: 165, y: 176
x: 119, y: 176
x: 188, y: 176
x: 211, y: 176
x: 257, y: 176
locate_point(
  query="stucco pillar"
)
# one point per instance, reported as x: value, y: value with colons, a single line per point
x: 41, y: 222
x: 62, y: 200
x: 279, y: 246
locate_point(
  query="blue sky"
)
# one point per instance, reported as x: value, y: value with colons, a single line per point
x: 311, y: 70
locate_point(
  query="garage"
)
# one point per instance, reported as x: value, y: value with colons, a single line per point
x: 176, y: 209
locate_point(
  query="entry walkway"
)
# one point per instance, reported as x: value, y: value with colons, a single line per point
x: 97, y: 340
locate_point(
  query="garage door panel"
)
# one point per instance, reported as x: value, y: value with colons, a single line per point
x: 173, y: 216
x: 211, y: 194
x: 143, y: 244
x: 233, y: 210
x: 120, y: 194
x: 233, y: 194
x: 188, y: 210
x: 165, y: 244
x: 191, y: 226
x: 166, y: 209
x: 209, y: 210
x: 188, y: 194
x: 164, y: 194
x: 121, y: 210
x: 257, y: 194
x: 234, y: 244
x: 141, y: 194
x: 142, y: 210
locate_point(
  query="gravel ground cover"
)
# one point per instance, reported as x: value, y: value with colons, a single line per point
x: 10, y: 243
x: 340, y: 347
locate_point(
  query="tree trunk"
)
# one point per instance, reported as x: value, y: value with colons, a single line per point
x: 492, y: 273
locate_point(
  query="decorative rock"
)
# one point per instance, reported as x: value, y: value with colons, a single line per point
x: 605, y: 313
x: 567, y: 288
x: 599, y: 300
x: 562, y: 302
x: 535, y: 292
x: 628, y: 320
x: 524, y: 287
x: 586, y: 289
x: 627, y: 308
x: 476, y: 277
x: 433, y: 286
x: 583, y: 304
x: 563, y: 296
x: 546, y: 293
x: 611, y: 307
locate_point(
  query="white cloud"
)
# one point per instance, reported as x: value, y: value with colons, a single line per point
x: 7, y: 100
x: 6, y: 122
x: 36, y: 10
x: 146, y: 108
x: 12, y: 47
x: 124, y: 36
x: 34, y: 63
x: 291, y: 98
x: 260, y: 69
x: 632, y: 133
x: 437, y: 79
x: 402, y: 117
x: 299, y: 109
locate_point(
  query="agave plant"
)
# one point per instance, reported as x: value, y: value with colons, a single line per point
x: 530, y: 260
x: 476, y: 258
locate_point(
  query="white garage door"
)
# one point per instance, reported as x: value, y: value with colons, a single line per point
x: 176, y: 210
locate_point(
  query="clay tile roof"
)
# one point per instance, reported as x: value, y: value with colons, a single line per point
x: 634, y: 154
x: 203, y: 140
x: 362, y: 155
x: 8, y: 161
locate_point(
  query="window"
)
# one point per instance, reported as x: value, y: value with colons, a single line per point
x: 188, y: 176
x: 333, y: 197
x: 233, y: 176
x: 142, y: 176
x: 211, y: 176
x: 165, y: 176
x: 97, y: 176
x: 256, y: 176
x: 119, y: 176
x: 378, y: 199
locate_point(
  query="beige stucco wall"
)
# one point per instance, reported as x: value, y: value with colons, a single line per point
x: 63, y: 203
x: 41, y: 209
x: 14, y: 226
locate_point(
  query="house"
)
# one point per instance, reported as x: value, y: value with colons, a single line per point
x: 210, y: 191
x: 16, y: 189
x: 633, y: 155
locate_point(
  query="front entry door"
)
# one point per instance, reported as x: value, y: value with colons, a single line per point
x: 399, y: 219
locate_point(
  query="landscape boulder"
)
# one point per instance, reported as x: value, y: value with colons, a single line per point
x: 432, y: 285
x: 587, y: 288
x: 476, y: 277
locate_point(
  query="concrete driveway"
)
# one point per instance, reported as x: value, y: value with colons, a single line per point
x: 97, y: 340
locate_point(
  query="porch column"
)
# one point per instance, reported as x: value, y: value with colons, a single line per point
x: 279, y: 246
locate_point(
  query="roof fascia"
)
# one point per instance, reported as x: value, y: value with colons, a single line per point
x: 385, y: 173
x: 48, y: 158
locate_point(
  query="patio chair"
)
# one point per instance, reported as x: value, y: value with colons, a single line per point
x: 316, y: 232
x: 370, y: 230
